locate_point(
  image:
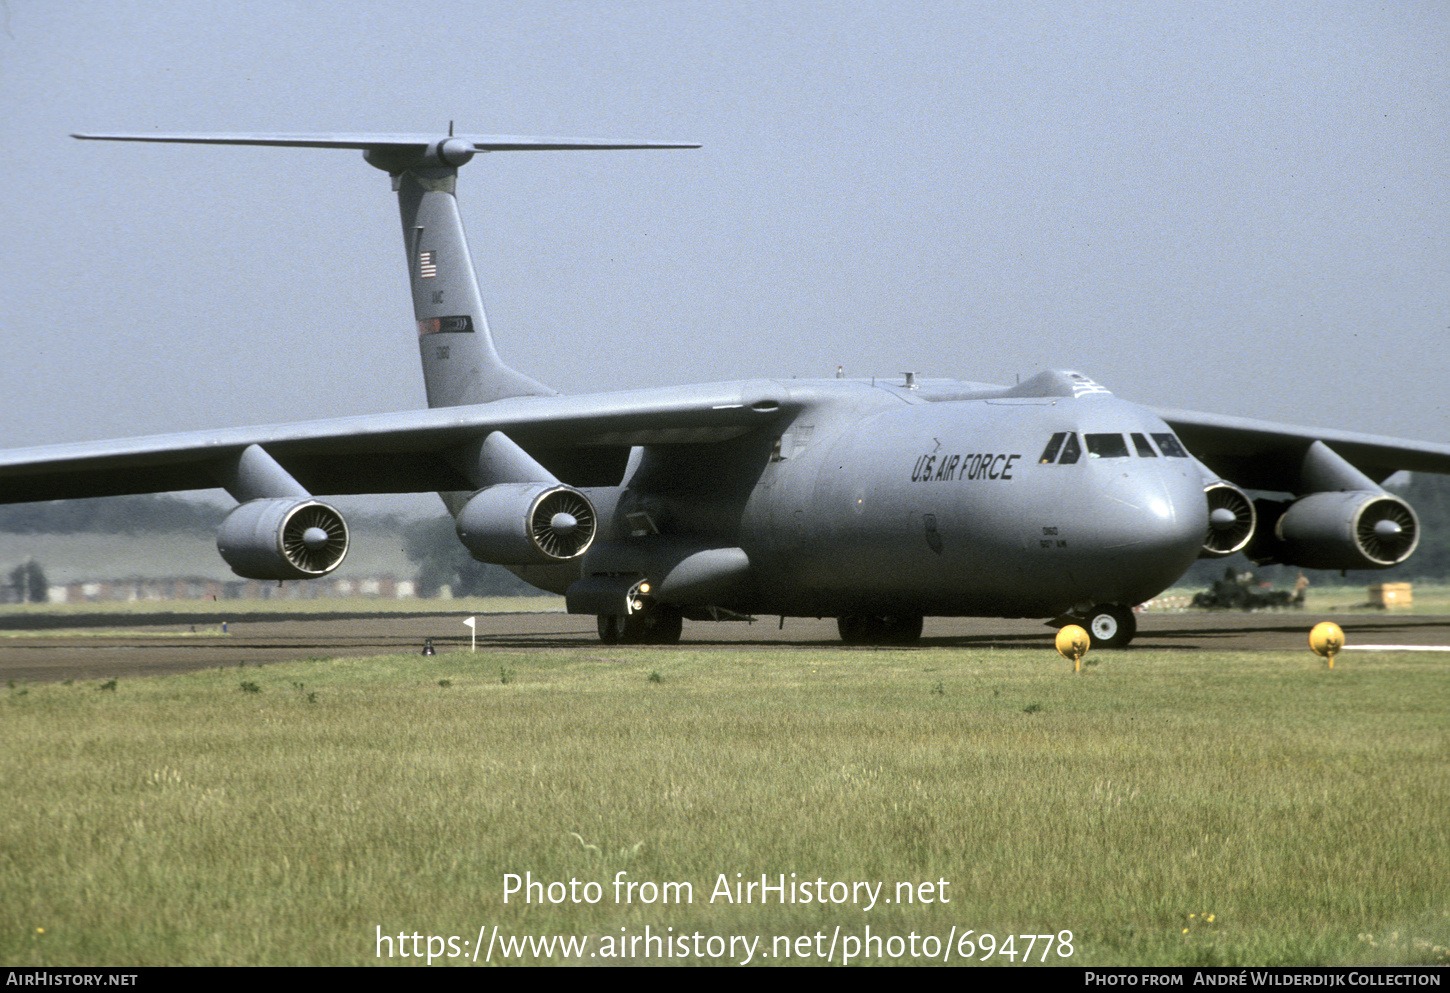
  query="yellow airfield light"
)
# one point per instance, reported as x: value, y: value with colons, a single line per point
x: 1326, y: 639
x: 1072, y: 643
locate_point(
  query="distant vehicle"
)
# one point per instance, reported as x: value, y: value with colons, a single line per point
x: 875, y: 502
x: 1239, y: 592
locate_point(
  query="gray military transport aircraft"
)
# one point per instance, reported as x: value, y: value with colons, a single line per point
x: 874, y: 502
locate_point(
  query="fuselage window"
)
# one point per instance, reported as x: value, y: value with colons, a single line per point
x: 1106, y: 446
x: 1071, y: 451
x: 1170, y: 446
x: 1144, y: 449
x: 1049, y: 454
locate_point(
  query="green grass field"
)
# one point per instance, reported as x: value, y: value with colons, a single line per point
x: 1165, y: 808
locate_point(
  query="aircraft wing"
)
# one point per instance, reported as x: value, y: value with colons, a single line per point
x: 1266, y: 456
x: 584, y: 440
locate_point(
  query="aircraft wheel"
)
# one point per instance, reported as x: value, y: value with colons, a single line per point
x: 635, y: 630
x: 1111, y: 625
x: 658, y: 627
x: 612, y: 628
x: 854, y: 628
x: 872, y: 629
x: 901, y: 630
x: 663, y: 626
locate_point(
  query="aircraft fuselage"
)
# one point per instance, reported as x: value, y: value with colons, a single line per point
x: 880, y: 500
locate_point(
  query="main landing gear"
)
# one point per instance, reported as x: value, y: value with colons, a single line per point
x: 872, y: 629
x: 655, y: 626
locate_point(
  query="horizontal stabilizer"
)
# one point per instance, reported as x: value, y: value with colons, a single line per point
x: 371, y: 142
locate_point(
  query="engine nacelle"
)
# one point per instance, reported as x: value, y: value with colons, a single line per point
x: 283, y: 538
x: 527, y: 524
x: 1231, y: 520
x: 1355, y: 529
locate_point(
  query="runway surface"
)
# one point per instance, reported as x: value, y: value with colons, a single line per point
x: 102, y: 646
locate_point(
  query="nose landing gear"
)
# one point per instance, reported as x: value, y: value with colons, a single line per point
x: 1111, y: 625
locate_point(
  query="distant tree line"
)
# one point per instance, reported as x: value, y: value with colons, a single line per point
x: 162, y: 514
x: 27, y: 584
x: 1430, y: 496
x: 443, y: 561
x: 431, y: 544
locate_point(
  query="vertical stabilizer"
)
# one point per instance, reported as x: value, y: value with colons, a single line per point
x: 460, y: 363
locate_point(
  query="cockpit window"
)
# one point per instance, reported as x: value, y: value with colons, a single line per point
x: 1049, y: 454
x: 1106, y: 446
x: 1170, y: 446
x: 1144, y: 448
x: 1071, y: 451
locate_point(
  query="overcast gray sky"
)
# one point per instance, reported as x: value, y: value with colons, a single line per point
x: 1235, y: 207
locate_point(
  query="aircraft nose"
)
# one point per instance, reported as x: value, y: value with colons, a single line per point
x: 1150, y: 527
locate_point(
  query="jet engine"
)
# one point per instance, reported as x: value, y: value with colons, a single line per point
x: 1231, y: 520
x: 527, y: 524
x: 283, y: 538
x: 1355, y: 529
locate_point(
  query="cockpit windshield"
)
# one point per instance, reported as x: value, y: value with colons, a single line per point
x: 1063, y: 447
x: 1106, y: 446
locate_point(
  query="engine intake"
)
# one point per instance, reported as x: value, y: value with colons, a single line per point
x: 1231, y: 520
x: 283, y: 539
x: 527, y: 524
x: 1344, y: 530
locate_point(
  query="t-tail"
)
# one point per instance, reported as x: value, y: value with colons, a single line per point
x: 460, y: 363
